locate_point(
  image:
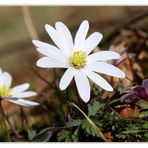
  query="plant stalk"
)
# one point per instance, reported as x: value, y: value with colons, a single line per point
x: 4, y: 115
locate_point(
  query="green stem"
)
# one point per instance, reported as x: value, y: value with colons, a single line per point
x: 61, y: 98
x: 6, y: 128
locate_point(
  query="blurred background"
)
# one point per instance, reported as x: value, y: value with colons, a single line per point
x: 19, y: 25
x: 15, y: 41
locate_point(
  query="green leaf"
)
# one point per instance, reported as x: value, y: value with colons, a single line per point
x: 75, y: 135
x: 45, y: 137
x: 119, y: 87
x: 145, y: 138
x: 132, y: 131
x: 31, y: 134
x: 93, y: 109
x: 73, y: 122
x: 64, y: 135
x: 145, y: 125
x: 97, y: 121
x: 88, y: 128
x: 144, y: 114
x: 146, y: 135
x: 143, y: 105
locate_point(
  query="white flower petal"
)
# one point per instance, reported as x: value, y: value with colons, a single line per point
x: 49, y: 50
x: 20, y: 88
x: 47, y: 62
x: 81, y: 35
x: 56, y: 38
x: 108, y: 69
x: 92, y: 41
x: 66, y: 38
x: 24, y: 94
x: 99, y: 80
x: 103, y: 55
x: 66, y: 78
x: 7, y: 79
x: 23, y: 102
x: 83, y: 86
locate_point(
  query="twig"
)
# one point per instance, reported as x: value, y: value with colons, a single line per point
x: 116, y: 31
x: 36, y: 73
x: 8, y: 121
x: 29, y: 23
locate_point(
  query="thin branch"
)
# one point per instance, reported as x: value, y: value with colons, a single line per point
x: 116, y: 31
x: 8, y: 121
x: 29, y: 22
x: 37, y: 74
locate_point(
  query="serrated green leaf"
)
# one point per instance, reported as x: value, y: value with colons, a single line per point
x: 31, y: 134
x: 97, y: 121
x: 73, y: 122
x: 64, y: 135
x: 93, y: 109
x: 97, y: 130
x: 75, y: 135
x: 145, y: 125
x: 88, y: 128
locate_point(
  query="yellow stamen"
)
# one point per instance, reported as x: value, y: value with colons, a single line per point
x: 4, y: 92
x: 78, y: 60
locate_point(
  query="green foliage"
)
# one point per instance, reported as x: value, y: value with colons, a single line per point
x: 145, y: 125
x: 119, y: 87
x: 75, y: 135
x: 45, y: 137
x: 143, y: 105
x: 146, y: 135
x: 73, y: 122
x: 144, y: 114
x: 31, y: 134
x: 87, y: 127
x: 42, y: 136
x: 94, y: 108
x: 64, y: 135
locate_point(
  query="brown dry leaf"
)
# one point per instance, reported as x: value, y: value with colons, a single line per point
x: 126, y: 66
x: 109, y: 136
x: 131, y: 43
x: 106, y: 95
x: 129, y: 112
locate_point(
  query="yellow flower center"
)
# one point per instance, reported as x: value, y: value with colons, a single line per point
x: 78, y: 60
x: 4, y: 92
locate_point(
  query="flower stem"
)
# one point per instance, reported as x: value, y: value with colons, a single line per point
x: 4, y: 115
x: 97, y: 130
x: 6, y: 128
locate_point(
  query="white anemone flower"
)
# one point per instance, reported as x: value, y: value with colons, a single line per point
x: 17, y: 93
x: 75, y: 56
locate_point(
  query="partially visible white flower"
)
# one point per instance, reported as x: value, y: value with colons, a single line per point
x: 75, y: 57
x: 17, y: 93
